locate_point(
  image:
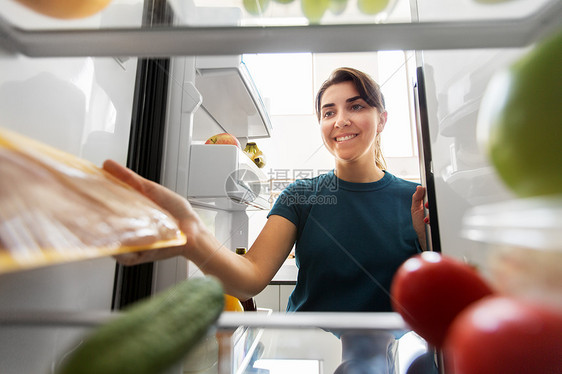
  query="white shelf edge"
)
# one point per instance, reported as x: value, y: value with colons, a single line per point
x: 200, y: 41
x: 386, y: 321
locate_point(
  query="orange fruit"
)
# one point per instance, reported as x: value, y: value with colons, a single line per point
x: 232, y: 304
x: 66, y: 9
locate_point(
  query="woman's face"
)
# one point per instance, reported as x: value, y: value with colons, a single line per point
x: 349, y: 125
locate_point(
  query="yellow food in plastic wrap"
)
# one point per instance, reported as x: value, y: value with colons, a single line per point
x: 55, y: 207
x: 66, y: 9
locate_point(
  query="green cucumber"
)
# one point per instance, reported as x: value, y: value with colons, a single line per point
x: 152, y: 335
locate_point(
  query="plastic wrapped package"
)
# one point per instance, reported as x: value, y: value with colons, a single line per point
x: 524, y: 242
x: 55, y: 207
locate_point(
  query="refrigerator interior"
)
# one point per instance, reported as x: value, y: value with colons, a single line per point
x: 81, y: 106
x: 71, y: 84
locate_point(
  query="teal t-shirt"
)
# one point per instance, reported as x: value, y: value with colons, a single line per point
x: 351, y: 239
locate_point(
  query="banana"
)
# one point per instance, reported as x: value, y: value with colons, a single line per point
x: 255, y: 154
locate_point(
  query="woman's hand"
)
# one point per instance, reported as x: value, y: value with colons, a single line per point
x: 177, y: 206
x: 241, y: 276
x: 419, y: 220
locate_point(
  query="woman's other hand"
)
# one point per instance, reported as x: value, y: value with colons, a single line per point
x: 419, y: 220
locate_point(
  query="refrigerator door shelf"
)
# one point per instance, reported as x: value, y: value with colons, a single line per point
x: 231, y: 97
x: 223, y: 177
x: 534, y: 222
x: 523, y: 241
x: 448, y: 25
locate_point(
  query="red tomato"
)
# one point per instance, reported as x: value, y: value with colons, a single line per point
x: 429, y: 290
x: 504, y: 335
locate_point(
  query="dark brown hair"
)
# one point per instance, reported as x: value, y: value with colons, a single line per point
x: 368, y: 89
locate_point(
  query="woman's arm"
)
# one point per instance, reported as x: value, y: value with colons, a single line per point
x: 418, y: 216
x: 242, y: 276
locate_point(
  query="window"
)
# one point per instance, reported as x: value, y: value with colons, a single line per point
x: 397, y: 139
x: 284, y: 81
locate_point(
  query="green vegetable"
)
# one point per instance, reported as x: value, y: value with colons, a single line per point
x: 256, y: 7
x: 519, y: 122
x: 372, y: 6
x: 314, y: 10
x: 338, y: 6
x: 153, y: 334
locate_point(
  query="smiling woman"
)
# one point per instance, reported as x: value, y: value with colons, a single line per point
x: 343, y: 238
x: 349, y: 246
x: 360, y: 250
x: 350, y: 108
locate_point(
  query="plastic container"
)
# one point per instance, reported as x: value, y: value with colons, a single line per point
x: 524, y: 241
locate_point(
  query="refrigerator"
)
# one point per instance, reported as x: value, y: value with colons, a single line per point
x: 146, y: 82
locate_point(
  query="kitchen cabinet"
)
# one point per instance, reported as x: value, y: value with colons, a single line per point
x: 269, y: 298
x: 275, y: 296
